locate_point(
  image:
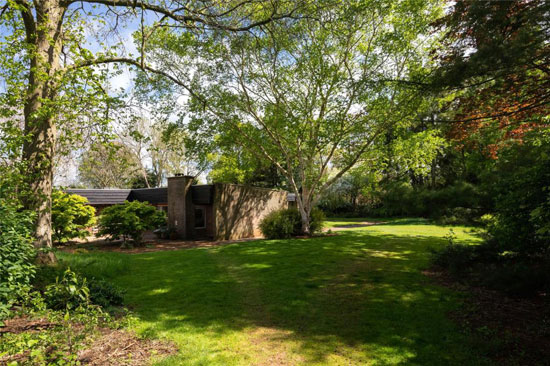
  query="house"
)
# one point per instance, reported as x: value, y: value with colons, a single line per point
x: 211, y: 211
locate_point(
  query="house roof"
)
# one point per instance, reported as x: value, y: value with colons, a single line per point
x: 201, y: 195
x: 102, y: 196
x: 155, y: 196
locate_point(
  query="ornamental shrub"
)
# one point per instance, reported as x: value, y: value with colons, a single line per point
x: 16, y: 256
x: 71, y: 216
x: 129, y: 220
x: 280, y: 224
x: 286, y: 223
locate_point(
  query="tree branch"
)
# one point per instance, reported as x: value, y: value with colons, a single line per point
x: 139, y: 65
x: 188, y: 16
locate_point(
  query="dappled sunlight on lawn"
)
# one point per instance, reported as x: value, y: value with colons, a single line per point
x: 357, y: 298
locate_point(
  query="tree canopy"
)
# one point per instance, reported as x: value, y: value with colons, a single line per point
x: 311, y: 96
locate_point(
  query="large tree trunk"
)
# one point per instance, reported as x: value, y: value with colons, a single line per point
x: 44, y: 38
x: 38, y: 153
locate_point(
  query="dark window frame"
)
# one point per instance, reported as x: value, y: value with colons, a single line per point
x: 203, y: 210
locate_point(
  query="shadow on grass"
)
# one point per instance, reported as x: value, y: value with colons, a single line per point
x: 357, y: 298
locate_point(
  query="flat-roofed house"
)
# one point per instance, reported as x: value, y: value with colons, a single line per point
x: 213, y: 211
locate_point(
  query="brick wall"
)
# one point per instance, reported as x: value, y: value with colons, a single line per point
x: 238, y: 210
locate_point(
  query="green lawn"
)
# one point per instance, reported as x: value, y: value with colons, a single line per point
x: 358, y: 298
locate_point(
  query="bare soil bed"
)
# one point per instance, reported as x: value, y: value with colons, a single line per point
x: 515, y: 330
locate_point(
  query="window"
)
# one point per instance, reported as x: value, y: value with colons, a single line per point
x: 200, y: 221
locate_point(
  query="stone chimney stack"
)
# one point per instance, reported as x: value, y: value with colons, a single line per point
x: 180, y: 206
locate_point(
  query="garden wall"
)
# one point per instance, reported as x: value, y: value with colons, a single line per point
x: 238, y: 210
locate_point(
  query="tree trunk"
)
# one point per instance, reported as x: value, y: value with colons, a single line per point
x: 306, y: 229
x: 44, y: 39
x: 38, y: 153
x: 304, y: 206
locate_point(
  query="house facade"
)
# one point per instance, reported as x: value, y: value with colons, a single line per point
x: 211, y: 211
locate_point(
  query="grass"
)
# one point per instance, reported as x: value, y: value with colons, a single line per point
x: 358, y: 298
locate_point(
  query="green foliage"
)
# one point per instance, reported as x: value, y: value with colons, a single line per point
x: 58, y: 344
x: 46, y: 347
x: 69, y: 292
x: 129, y: 220
x: 280, y: 224
x: 454, y: 257
x: 415, y: 152
x: 101, y: 292
x: 16, y: 256
x: 317, y: 220
x: 521, y: 187
x: 286, y: 223
x: 233, y: 164
x: 104, y: 293
x: 457, y: 203
x: 71, y: 216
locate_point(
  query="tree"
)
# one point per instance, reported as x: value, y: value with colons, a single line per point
x: 71, y: 216
x: 233, y: 164
x: 318, y: 93
x: 521, y: 187
x: 49, y: 71
x: 109, y: 166
x: 155, y: 141
x: 496, y: 65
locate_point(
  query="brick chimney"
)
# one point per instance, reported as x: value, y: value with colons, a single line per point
x: 180, y: 206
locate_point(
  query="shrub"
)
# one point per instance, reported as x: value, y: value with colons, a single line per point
x: 287, y: 223
x: 16, y: 256
x: 71, y: 216
x: 317, y: 220
x: 129, y: 220
x: 485, y: 265
x: 104, y: 293
x: 68, y: 293
x: 280, y: 224
x: 101, y: 292
x: 458, y: 216
x: 455, y: 257
x: 518, y: 279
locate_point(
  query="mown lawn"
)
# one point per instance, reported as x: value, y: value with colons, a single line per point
x: 358, y: 298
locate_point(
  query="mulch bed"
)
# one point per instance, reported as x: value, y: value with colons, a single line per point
x: 121, y: 348
x: 109, y: 347
x: 516, y: 330
x: 23, y: 324
x: 147, y: 246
